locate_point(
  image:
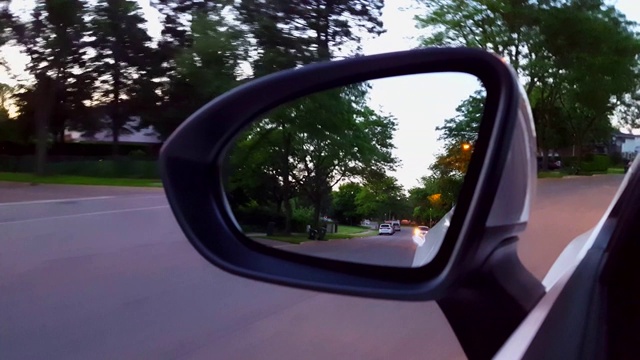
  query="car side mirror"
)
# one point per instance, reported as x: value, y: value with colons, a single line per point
x: 195, y: 166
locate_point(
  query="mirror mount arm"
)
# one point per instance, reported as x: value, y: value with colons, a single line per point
x: 486, y: 307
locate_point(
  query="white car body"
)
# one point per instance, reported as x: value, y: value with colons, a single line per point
x: 429, y: 244
x: 386, y: 229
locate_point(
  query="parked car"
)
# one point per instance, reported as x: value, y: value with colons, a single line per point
x: 555, y: 165
x: 396, y: 225
x: 386, y: 229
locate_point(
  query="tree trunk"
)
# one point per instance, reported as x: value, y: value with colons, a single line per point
x: 545, y: 159
x: 322, y: 32
x: 579, y: 153
x: 44, y: 97
x: 288, y: 215
x: 317, y: 207
x: 115, y: 132
x: 286, y: 183
x: 116, y: 114
x: 41, y: 140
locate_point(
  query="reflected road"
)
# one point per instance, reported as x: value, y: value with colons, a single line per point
x: 388, y: 250
x: 114, y: 278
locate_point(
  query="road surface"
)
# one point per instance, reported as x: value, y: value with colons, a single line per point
x: 110, y: 276
x: 388, y: 250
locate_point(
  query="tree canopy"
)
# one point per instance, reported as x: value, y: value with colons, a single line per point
x: 95, y: 66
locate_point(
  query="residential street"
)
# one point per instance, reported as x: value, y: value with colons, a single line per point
x: 109, y: 275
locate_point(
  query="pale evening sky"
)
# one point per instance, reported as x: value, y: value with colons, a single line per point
x: 420, y: 102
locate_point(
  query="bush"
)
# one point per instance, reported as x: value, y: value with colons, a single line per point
x: 137, y: 154
x: 597, y: 163
x: 254, y: 218
x: 590, y: 163
x: 568, y: 161
x: 302, y: 217
x: 616, y: 160
x: 126, y: 168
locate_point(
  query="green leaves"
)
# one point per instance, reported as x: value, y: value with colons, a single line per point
x: 381, y: 199
x: 575, y: 58
x: 345, y: 208
x: 211, y: 64
x: 465, y: 126
x: 309, y: 146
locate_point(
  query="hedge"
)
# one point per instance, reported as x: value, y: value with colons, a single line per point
x: 591, y: 163
x: 128, y: 167
x: 255, y: 219
x: 599, y: 163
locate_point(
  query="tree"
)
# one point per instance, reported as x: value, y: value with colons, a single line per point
x: 459, y: 135
x: 201, y: 52
x: 382, y: 198
x: 254, y: 170
x: 277, y: 50
x: 309, y: 30
x: 289, y: 34
x: 507, y: 28
x: 545, y: 42
x: 340, y: 137
x: 9, y: 129
x: 434, y: 197
x: 628, y: 110
x: 54, y: 40
x: 9, y: 25
x: 464, y: 127
x: 593, y: 73
x: 439, y: 190
x: 46, y: 92
x: 121, y: 56
x: 209, y: 68
x: 6, y: 92
x: 326, y: 137
x: 345, y: 208
x: 504, y: 27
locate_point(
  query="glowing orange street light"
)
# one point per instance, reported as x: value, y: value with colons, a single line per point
x: 466, y: 146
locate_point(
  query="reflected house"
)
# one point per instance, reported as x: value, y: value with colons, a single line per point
x: 625, y: 144
x: 628, y: 145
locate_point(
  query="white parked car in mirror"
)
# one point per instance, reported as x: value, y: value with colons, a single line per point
x: 386, y: 229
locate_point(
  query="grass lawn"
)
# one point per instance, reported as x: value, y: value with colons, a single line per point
x: 550, y: 174
x: 344, y: 232
x: 346, y: 229
x: 77, y: 180
x: 292, y: 239
x: 560, y: 174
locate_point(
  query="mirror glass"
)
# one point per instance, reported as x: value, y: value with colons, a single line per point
x: 367, y: 173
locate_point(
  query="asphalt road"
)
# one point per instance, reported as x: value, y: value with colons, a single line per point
x: 111, y: 276
x: 388, y: 250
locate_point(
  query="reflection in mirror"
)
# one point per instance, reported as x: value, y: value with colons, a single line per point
x: 367, y: 173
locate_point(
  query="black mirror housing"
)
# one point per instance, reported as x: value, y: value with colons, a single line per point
x: 191, y: 163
